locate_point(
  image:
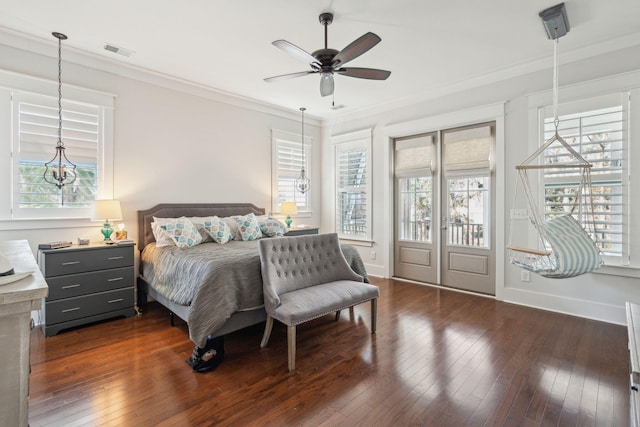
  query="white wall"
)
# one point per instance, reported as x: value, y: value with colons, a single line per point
x: 598, y: 296
x: 172, y: 142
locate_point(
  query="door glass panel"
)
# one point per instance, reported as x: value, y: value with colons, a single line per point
x: 415, y: 207
x: 468, y: 216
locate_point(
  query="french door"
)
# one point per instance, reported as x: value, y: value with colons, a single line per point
x: 444, y: 207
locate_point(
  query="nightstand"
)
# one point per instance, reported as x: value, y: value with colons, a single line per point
x: 301, y: 231
x: 87, y: 284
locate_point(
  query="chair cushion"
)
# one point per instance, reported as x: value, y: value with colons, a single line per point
x: 309, y: 303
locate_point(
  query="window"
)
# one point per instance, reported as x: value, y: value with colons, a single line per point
x: 596, y: 129
x: 287, y: 163
x: 467, y: 168
x: 353, y: 185
x: 32, y: 124
x: 414, y: 183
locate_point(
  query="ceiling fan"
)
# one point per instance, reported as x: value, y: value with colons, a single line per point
x: 327, y: 61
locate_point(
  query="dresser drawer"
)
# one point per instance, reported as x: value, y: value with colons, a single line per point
x: 80, y: 261
x: 88, y: 305
x: 74, y: 285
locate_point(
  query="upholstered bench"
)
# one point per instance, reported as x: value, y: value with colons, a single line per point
x: 306, y: 277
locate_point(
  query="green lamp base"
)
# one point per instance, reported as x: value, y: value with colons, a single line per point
x: 107, y: 231
x: 288, y: 221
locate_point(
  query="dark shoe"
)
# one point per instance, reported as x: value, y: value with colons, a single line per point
x: 207, y: 358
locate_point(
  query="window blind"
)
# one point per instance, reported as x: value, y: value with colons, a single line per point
x: 414, y: 154
x: 286, y: 168
x: 598, y: 135
x: 468, y: 149
x: 352, y: 191
x: 37, y: 136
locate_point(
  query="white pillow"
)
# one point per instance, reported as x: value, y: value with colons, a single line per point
x: 182, y: 231
x: 162, y: 238
x: 248, y: 227
x: 217, y: 230
x: 233, y: 226
x: 271, y: 227
x: 198, y: 221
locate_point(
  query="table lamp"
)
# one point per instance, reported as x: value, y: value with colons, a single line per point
x: 105, y: 210
x: 288, y: 209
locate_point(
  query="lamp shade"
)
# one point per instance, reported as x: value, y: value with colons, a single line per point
x: 105, y: 210
x: 288, y: 208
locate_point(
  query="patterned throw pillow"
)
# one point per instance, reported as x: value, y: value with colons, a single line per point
x: 217, y: 229
x: 162, y: 238
x: 182, y: 231
x: 198, y: 221
x: 248, y: 227
x: 271, y: 227
x: 233, y: 226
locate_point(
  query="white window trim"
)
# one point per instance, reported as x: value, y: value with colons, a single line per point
x: 308, y: 149
x: 361, y: 138
x: 627, y: 82
x: 11, y: 81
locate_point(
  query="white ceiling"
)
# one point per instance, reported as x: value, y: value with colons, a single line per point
x: 430, y: 47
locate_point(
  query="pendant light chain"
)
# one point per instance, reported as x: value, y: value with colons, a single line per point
x: 59, y: 91
x: 303, y: 182
x: 556, y: 121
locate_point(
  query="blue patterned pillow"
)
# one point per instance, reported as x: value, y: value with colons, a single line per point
x: 248, y: 227
x: 182, y: 231
x: 217, y: 229
x: 271, y: 227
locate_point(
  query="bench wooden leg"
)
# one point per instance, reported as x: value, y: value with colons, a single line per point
x: 267, y: 332
x: 291, y: 341
x: 338, y: 315
x: 374, y: 314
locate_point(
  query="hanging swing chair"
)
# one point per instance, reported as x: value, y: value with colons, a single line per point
x: 566, y: 249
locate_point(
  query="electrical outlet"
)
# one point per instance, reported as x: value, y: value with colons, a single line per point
x: 525, y: 276
x: 373, y: 254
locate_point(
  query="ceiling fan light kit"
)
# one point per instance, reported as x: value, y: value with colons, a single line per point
x: 327, y: 61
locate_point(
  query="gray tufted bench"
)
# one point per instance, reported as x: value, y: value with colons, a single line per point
x: 305, y: 277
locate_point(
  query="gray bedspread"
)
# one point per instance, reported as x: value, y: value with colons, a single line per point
x: 215, y: 280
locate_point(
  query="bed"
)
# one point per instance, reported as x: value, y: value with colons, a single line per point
x: 221, y: 284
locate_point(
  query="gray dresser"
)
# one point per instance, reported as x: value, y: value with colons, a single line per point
x: 87, y: 284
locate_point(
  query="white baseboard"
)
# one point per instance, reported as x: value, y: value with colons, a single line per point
x: 573, y: 306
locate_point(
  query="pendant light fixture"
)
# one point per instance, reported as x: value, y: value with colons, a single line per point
x: 60, y: 171
x: 303, y: 182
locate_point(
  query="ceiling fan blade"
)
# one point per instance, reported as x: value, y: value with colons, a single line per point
x: 364, y: 73
x: 296, y: 51
x: 326, y: 84
x: 356, y: 48
x: 288, y: 76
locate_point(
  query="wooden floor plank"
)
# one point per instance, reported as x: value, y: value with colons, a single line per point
x: 439, y: 357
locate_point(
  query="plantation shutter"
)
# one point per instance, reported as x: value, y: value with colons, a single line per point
x: 353, y: 188
x: 598, y: 135
x: 35, y: 139
x: 287, y: 154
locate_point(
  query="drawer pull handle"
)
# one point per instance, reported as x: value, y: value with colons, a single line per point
x: 116, y: 300
x: 71, y: 286
x: 71, y: 263
x: 115, y: 279
x: 71, y: 309
x: 111, y: 258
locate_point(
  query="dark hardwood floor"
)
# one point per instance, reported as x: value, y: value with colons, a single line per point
x: 439, y: 358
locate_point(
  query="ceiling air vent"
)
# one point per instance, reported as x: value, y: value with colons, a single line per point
x: 119, y: 50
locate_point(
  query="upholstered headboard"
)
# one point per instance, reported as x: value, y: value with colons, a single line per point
x: 176, y: 210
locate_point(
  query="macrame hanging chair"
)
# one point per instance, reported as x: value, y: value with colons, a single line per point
x: 565, y: 248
